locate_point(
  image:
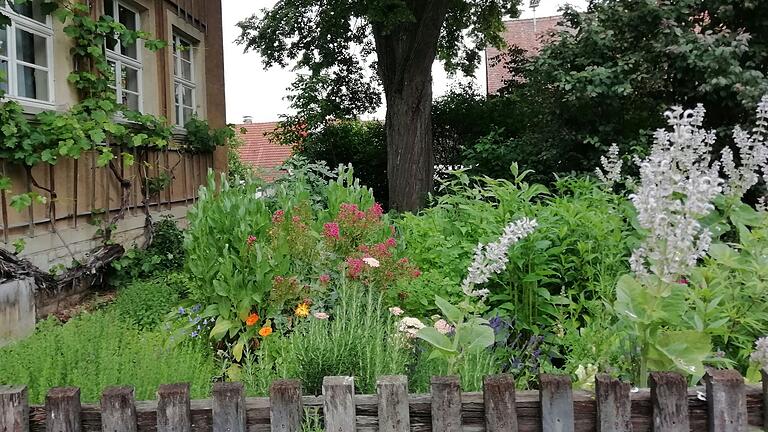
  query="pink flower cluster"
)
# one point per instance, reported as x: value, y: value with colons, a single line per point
x: 278, y: 217
x: 331, y: 230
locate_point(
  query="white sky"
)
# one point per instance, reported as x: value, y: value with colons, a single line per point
x: 253, y: 91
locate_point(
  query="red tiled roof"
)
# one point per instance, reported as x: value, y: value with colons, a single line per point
x: 259, y: 151
x: 518, y: 32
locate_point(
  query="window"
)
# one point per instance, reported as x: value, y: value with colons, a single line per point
x: 125, y: 59
x: 183, y: 80
x: 26, y: 52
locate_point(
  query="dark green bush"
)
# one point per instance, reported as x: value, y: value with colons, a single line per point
x: 165, y: 253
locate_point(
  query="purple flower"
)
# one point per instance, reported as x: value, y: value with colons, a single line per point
x: 181, y: 310
x: 194, y: 334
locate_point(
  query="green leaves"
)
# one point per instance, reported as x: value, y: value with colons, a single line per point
x: 683, y: 351
x: 451, y: 312
x: 436, y: 339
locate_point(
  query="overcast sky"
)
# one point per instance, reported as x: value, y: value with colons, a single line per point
x: 253, y: 91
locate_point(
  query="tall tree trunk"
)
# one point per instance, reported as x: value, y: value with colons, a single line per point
x: 405, y: 54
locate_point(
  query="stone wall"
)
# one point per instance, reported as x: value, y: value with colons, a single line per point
x: 17, y: 309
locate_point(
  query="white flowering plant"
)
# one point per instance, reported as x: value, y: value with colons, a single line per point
x: 683, y: 206
x: 456, y: 336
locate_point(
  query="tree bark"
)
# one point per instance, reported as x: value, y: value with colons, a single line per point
x: 406, y: 52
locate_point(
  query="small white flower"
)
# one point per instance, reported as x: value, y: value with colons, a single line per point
x: 372, y: 262
x: 443, y: 327
x: 410, y: 326
x: 396, y: 311
x: 612, y: 165
x: 320, y: 315
x: 760, y: 355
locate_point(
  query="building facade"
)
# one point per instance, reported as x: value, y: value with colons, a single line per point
x: 528, y: 34
x: 182, y: 80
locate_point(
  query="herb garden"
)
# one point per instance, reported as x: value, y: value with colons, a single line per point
x: 306, y: 277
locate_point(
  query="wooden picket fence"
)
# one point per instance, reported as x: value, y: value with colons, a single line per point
x: 724, y: 404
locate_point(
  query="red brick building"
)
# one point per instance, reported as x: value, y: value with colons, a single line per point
x: 260, y: 152
x: 519, y: 32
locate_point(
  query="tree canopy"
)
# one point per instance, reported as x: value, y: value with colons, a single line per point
x: 335, y: 41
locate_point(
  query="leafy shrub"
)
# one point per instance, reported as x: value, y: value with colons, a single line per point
x: 164, y: 253
x: 258, y: 253
x: 96, y: 350
x: 360, y: 143
x: 145, y: 303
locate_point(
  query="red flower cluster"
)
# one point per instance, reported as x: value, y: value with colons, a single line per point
x: 331, y: 230
x: 377, y: 265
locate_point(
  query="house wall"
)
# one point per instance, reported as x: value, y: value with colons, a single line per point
x: 87, y: 193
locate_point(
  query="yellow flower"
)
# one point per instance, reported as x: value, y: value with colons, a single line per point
x: 302, y: 310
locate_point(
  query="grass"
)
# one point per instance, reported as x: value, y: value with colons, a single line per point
x: 96, y: 350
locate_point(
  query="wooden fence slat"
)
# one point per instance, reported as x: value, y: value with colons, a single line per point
x: 339, y: 404
x: 726, y: 401
x: 14, y: 409
x: 173, y: 408
x: 669, y: 402
x: 764, y: 373
x: 499, y: 402
x: 613, y: 405
x: 394, y: 415
x: 62, y: 410
x: 118, y: 410
x: 228, y: 409
x: 556, y: 397
x: 446, y: 404
x: 285, y: 406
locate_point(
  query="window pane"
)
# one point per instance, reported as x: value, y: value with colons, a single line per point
x: 186, y: 70
x: 3, y: 76
x: 30, y: 9
x: 186, y: 52
x: 128, y: 19
x: 32, y: 83
x: 187, y: 114
x: 179, y: 120
x: 4, y: 42
x: 109, y: 8
x: 31, y: 48
x: 130, y: 79
x: 131, y: 100
x: 187, y: 97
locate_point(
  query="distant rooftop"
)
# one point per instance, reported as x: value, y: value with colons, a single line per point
x: 260, y: 152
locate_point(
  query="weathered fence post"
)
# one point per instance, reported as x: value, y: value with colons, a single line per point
x: 726, y: 401
x: 669, y: 402
x: 228, y: 411
x: 118, y: 410
x: 173, y: 410
x: 556, y: 397
x: 14, y: 409
x: 394, y: 415
x: 446, y: 404
x: 499, y: 401
x: 764, y: 373
x: 339, y: 404
x: 285, y: 406
x: 62, y: 410
x: 613, y: 405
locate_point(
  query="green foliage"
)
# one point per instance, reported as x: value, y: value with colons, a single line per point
x: 558, y: 271
x: 145, y: 303
x: 164, y: 253
x: 202, y: 139
x: 100, y: 349
x: 327, y: 43
x: 360, y: 143
x: 360, y: 339
x: 729, y: 291
x: 623, y: 61
x: 468, y: 335
x: 260, y: 250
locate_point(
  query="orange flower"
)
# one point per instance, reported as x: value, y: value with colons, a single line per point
x: 252, y: 319
x: 265, y: 331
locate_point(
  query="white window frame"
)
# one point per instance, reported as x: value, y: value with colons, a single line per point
x: 120, y: 60
x: 44, y: 30
x: 180, y: 83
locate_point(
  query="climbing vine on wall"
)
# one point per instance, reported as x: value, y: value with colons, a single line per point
x: 98, y: 123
